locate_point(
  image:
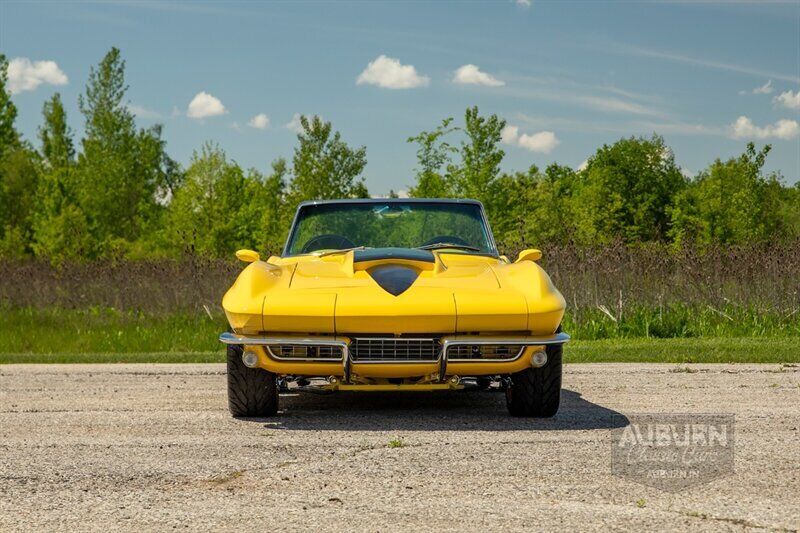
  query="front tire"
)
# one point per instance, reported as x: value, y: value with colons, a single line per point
x: 536, y: 392
x: 252, y: 392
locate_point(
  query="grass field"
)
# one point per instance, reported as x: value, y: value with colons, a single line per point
x: 107, y: 336
x: 700, y: 350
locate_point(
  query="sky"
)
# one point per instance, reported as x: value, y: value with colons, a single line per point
x: 568, y: 77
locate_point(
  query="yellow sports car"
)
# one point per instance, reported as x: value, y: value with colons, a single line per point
x: 393, y: 295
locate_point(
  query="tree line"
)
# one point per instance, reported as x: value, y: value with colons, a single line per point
x: 118, y: 193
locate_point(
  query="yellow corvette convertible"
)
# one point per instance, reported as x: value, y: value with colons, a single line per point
x: 393, y: 295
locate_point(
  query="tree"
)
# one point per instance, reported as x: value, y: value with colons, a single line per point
x: 121, y: 169
x: 18, y: 177
x: 60, y: 228
x: 220, y: 209
x: 480, y: 156
x: 627, y: 191
x: 8, y: 111
x: 324, y: 166
x: 267, y: 207
x: 537, y: 208
x: 56, y: 136
x: 433, y: 171
x: 732, y: 202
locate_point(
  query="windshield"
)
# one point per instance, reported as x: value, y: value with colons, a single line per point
x: 338, y: 226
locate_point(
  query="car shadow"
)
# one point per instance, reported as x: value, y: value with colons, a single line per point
x: 431, y: 411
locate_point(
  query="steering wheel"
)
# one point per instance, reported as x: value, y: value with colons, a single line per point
x: 328, y: 241
x: 449, y: 239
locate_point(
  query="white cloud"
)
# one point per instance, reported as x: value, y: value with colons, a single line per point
x: 294, y: 124
x: 763, y: 89
x: 472, y: 75
x: 583, y: 166
x: 27, y: 75
x: 524, y: 3
x: 691, y: 60
x: 615, y: 105
x: 204, y: 105
x: 143, y: 112
x: 388, y: 73
x: 606, y: 104
x: 542, y: 142
x: 509, y: 134
x: 687, y: 173
x: 260, y: 121
x: 788, y: 99
x: 782, y: 129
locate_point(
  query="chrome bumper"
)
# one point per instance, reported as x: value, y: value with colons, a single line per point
x: 347, y: 363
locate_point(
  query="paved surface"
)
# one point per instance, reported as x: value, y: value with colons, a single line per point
x: 143, y: 447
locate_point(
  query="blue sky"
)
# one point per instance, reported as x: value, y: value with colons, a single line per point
x: 569, y: 76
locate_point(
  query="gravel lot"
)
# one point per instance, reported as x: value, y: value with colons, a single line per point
x: 143, y: 447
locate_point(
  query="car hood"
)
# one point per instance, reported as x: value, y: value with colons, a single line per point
x: 397, y: 291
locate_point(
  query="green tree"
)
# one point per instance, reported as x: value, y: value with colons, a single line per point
x: 220, y: 209
x: 57, y: 145
x: 9, y: 137
x: 267, y: 209
x: 790, y: 210
x: 60, y: 228
x: 627, y: 191
x: 538, y: 207
x: 18, y: 177
x: 324, y: 166
x: 120, y: 169
x: 434, y: 166
x: 732, y: 202
x: 481, y: 156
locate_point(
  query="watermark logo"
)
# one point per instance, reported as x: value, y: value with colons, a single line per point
x: 673, y: 451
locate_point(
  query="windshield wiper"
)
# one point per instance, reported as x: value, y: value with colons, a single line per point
x: 341, y: 251
x: 440, y: 245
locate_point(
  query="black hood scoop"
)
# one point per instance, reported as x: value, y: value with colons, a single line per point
x: 394, y: 279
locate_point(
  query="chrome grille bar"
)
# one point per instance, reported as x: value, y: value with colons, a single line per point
x: 394, y: 349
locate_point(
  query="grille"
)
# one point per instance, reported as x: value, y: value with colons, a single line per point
x: 301, y: 351
x: 484, y: 351
x: 393, y: 349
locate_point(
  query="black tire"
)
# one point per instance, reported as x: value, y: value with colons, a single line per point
x: 536, y: 392
x: 252, y: 392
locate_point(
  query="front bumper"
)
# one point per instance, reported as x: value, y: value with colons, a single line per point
x: 439, y: 369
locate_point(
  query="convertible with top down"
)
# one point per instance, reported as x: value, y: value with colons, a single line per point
x: 393, y: 295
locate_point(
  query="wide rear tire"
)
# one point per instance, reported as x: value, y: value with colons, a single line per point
x: 536, y: 392
x: 252, y: 392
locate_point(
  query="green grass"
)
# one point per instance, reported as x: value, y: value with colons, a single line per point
x: 96, y: 330
x: 692, y: 350
x: 126, y: 357
x: 698, y: 350
x: 110, y: 336
x: 396, y: 443
x: 681, y: 321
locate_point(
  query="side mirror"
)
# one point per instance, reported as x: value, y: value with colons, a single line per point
x: 248, y: 256
x: 531, y: 254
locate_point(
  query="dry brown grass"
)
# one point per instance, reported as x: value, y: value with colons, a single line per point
x: 764, y: 276
x: 613, y: 277
x: 150, y: 286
